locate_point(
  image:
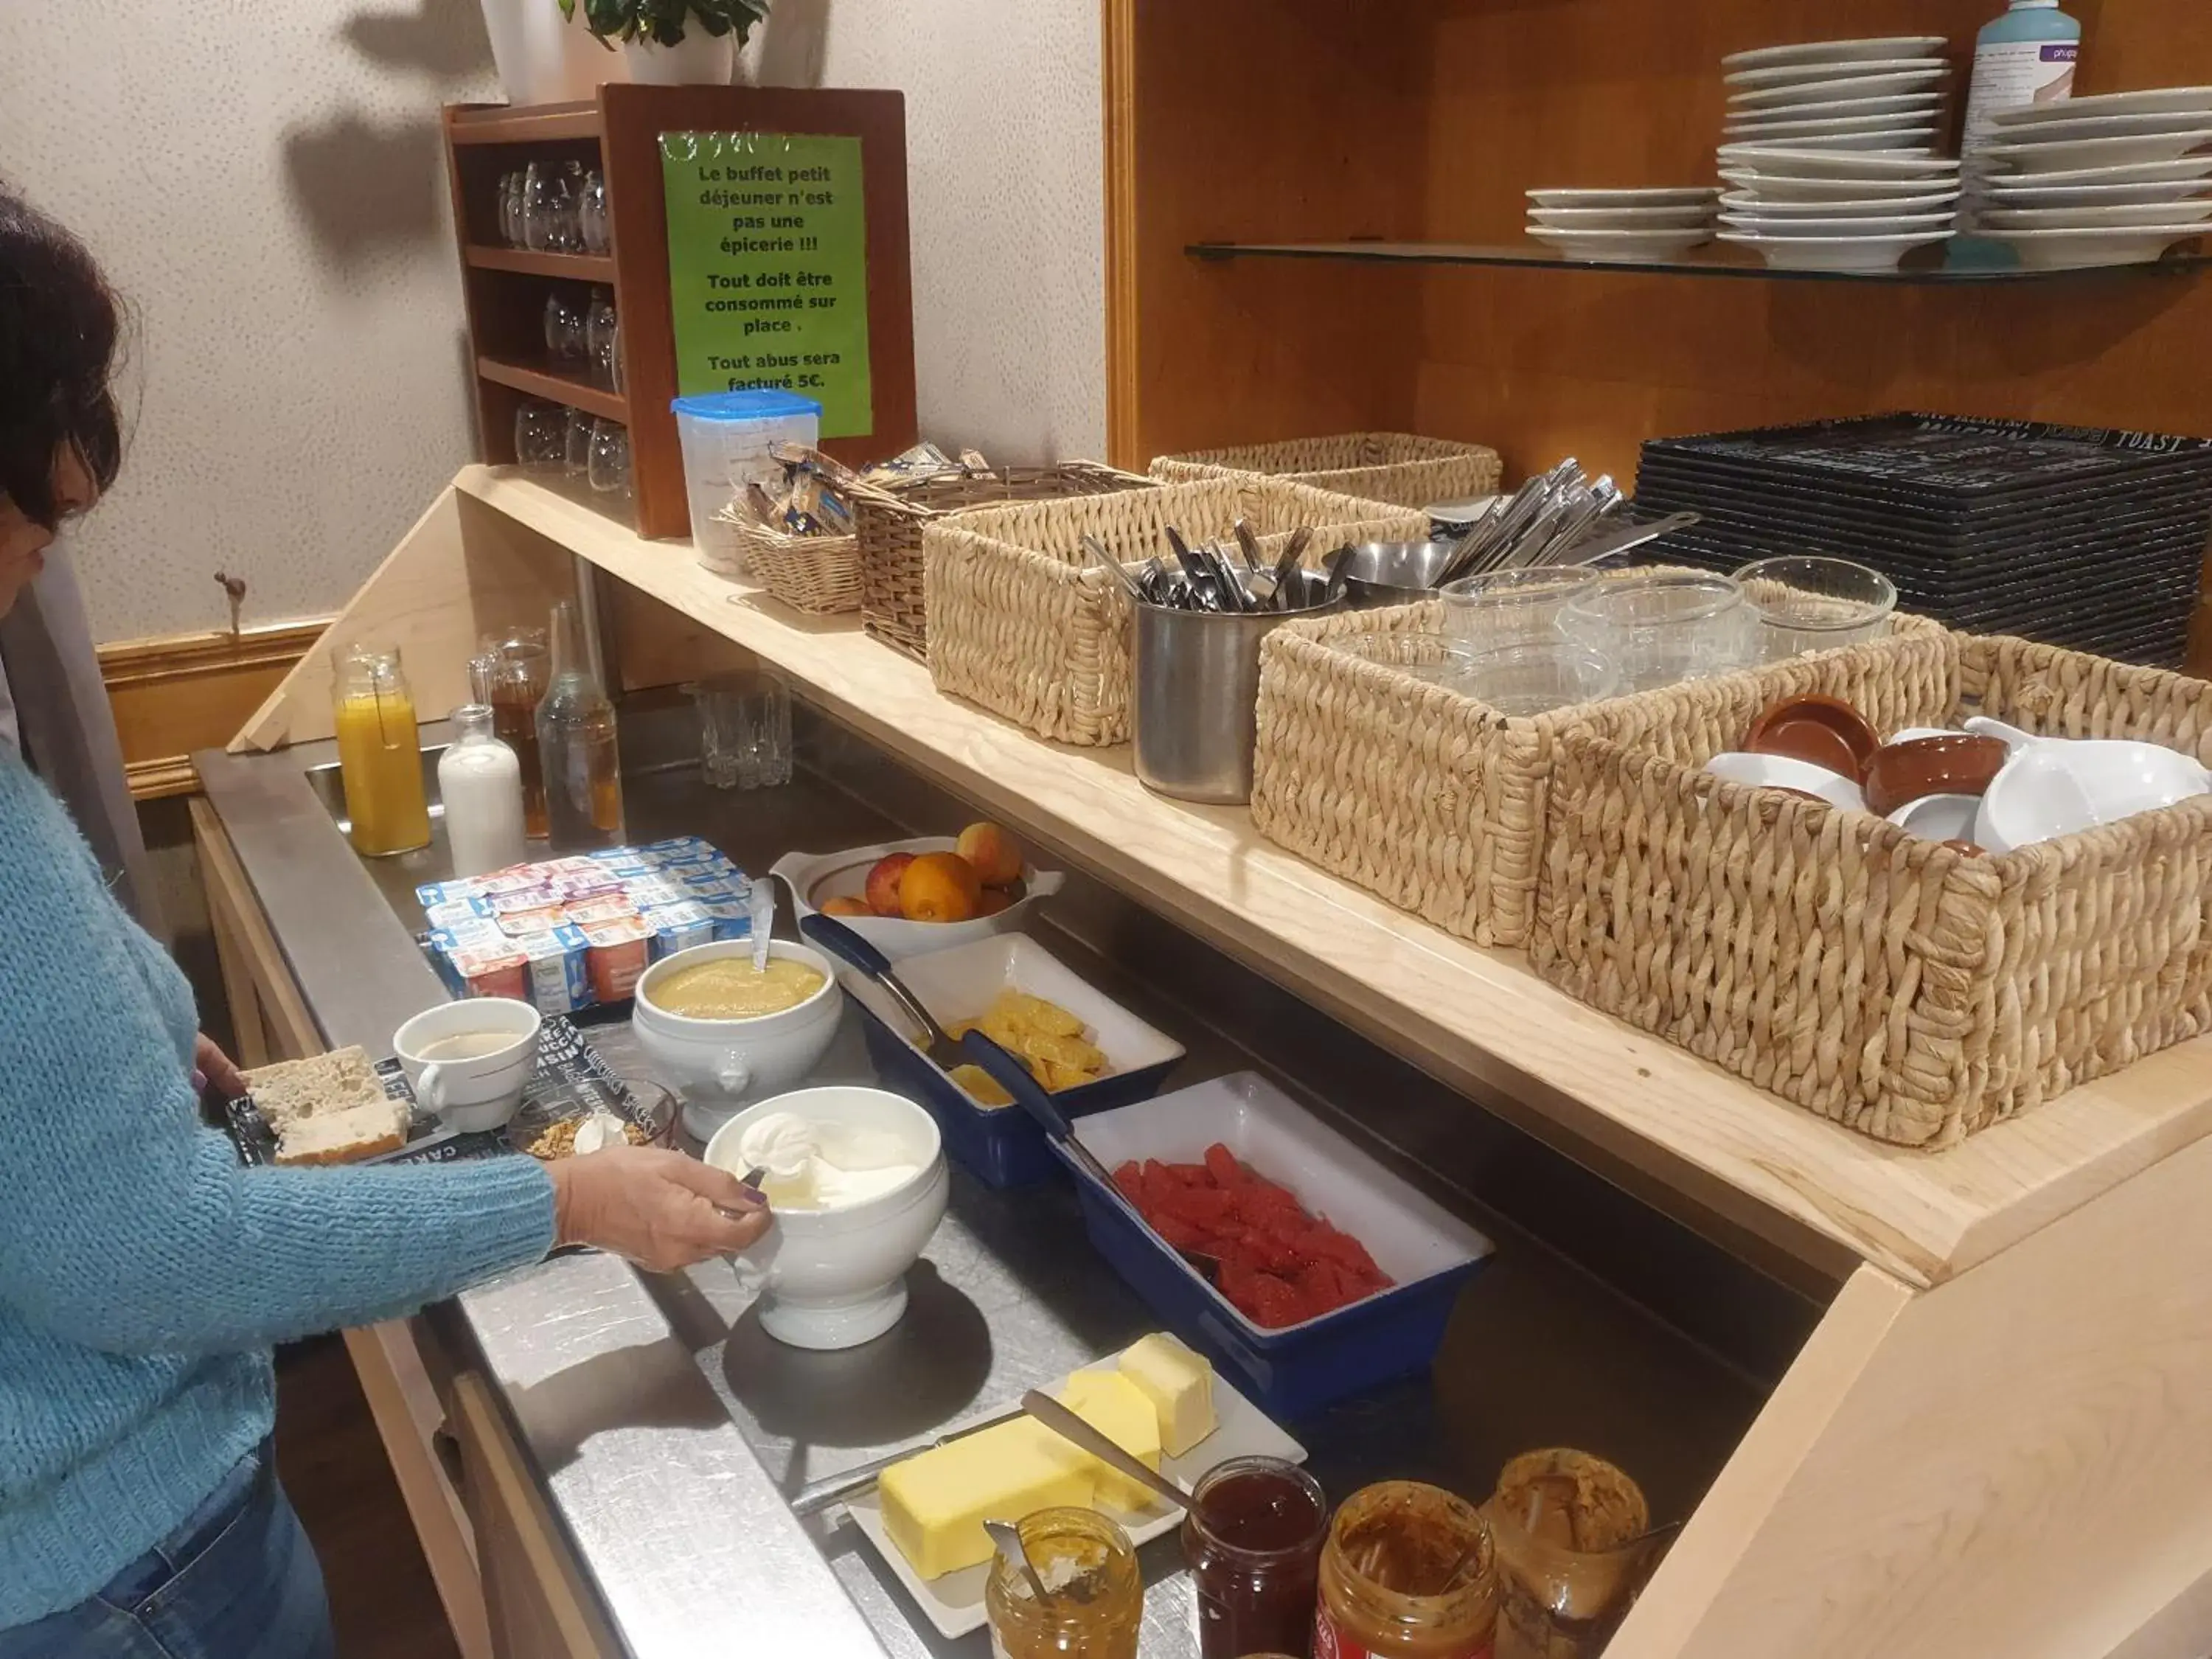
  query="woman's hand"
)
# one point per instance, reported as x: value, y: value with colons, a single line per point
x: 659, y: 1209
x: 218, y: 1068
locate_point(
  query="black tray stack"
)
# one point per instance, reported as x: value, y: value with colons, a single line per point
x: 2075, y: 535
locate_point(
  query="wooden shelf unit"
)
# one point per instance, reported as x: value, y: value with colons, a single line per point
x: 618, y: 135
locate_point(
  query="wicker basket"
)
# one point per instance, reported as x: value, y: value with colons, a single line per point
x: 1022, y: 623
x: 1909, y: 990
x: 1374, y: 466
x: 816, y: 573
x: 1420, y: 793
x: 894, y: 607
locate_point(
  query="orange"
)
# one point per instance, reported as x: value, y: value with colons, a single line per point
x: 939, y: 887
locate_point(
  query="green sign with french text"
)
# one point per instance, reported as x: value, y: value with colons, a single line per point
x: 767, y: 268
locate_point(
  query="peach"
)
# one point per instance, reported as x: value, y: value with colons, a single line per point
x: 883, y: 883
x: 939, y: 887
x: 994, y: 900
x: 846, y: 905
x: 996, y: 855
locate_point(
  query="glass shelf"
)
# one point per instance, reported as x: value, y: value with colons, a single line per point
x: 1923, y: 267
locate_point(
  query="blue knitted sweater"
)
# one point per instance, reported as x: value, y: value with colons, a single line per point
x: 143, y: 1273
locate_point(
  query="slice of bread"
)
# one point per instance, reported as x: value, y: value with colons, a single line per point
x: 330, y: 1109
x: 343, y: 1136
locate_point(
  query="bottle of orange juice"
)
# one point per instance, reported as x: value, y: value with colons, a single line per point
x: 380, y: 754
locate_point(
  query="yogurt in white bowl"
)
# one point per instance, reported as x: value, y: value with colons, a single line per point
x: 858, y: 1181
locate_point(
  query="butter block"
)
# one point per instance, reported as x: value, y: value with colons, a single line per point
x: 934, y: 1504
x: 1179, y: 1383
x: 1118, y: 1409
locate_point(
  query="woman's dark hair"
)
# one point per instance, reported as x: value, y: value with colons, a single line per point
x: 58, y: 329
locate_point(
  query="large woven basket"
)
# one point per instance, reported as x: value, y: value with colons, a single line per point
x: 816, y: 573
x: 1396, y: 467
x: 1420, y: 793
x: 1907, y: 989
x: 1022, y: 623
x: 894, y: 605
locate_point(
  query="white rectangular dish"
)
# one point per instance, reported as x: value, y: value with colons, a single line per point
x: 954, y: 1602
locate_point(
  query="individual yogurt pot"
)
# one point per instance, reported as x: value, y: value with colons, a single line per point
x: 718, y: 1065
x: 835, y: 1276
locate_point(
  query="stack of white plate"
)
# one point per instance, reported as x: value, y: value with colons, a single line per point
x: 1836, y: 210
x: 1623, y: 226
x: 1882, y: 93
x: 2111, y: 180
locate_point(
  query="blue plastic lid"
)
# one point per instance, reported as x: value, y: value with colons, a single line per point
x: 762, y: 404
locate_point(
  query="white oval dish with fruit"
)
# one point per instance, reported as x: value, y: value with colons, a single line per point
x: 966, y: 887
x: 1157, y: 1399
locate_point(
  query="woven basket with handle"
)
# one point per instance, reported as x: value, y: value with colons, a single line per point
x: 1397, y: 467
x: 894, y: 606
x: 1416, y: 790
x: 1024, y: 623
x: 1909, y: 990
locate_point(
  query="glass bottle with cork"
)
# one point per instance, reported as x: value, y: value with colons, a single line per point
x: 576, y: 747
x: 380, y: 753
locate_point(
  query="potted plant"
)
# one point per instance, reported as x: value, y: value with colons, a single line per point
x: 672, y: 42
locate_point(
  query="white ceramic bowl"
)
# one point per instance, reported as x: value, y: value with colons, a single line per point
x: 483, y: 1090
x: 1841, y: 253
x: 836, y: 1279
x: 1939, y: 817
x: 717, y: 1064
x: 816, y: 878
x: 2053, y: 786
x: 1786, y: 772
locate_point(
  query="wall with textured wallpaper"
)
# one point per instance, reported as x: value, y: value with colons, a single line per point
x: 264, y: 185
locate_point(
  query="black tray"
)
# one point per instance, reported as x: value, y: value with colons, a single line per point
x: 570, y: 1080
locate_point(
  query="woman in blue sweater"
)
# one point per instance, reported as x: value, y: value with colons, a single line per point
x: 144, y: 1274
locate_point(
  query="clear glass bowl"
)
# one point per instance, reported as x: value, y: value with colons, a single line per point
x: 1806, y: 601
x: 1662, y: 627
x: 1437, y: 658
x: 1512, y: 607
x: 1535, y: 679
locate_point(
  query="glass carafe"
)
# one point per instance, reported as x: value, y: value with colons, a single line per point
x: 380, y: 754
x: 512, y: 674
x: 576, y: 747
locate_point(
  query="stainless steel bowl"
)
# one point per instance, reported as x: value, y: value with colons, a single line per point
x: 1394, y: 573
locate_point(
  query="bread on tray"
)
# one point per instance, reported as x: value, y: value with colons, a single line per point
x: 330, y: 1109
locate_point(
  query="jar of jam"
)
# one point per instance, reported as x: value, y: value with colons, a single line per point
x: 1094, y: 1595
x: 1574, y: 1547
x: 1407, y: 1573
x: 1252, y: 1537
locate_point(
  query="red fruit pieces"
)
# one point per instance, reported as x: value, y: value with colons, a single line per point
x: 1221, y: 1163
x: 1129, y: 1180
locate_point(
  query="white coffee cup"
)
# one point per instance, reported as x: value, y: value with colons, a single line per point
x: 468, y: 1061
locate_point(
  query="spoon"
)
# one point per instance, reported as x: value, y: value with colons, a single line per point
x: 1008, y: 1537
x: 1096, y: 550
x: 1077, y: 1432
x: 761, y: 904
x: 944, y: 1051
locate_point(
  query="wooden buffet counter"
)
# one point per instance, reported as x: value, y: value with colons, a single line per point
x: 1999, y: 1440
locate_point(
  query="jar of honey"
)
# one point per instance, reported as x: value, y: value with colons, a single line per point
x: 1408, y: 1572
x: 1252, y: 1537
x: 1094, y: 1597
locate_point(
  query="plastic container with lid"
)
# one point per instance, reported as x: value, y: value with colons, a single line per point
x: 1409, y: 1572
x: 726, y: 437
x: 1096, y: 1596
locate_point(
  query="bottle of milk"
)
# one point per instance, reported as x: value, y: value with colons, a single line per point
x: 480, y: 779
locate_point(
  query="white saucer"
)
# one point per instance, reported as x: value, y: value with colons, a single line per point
x: 1810, y: 88
x: 2083, y: 250
x: 2077, y: 128
x: 1622, y: 246
x: 1784, y: 124
x: 2163, y: 214
x: 1925, y: 71
x: 1901, y: 104
x: 1847, y: 207
x: 1839, y: 229
x: 2093, y: 152
x: 1877, y: 48
x: 2150, y: 101
x: 1656, y: 196
x: 1796, y: 162
x: 1622, y: 218
x: 1903, y: 141
x: 1783, y: 187
x: 2183, y: 169
x: 1836, y: 254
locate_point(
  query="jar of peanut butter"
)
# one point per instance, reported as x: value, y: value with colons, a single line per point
x: 1408, y: 1572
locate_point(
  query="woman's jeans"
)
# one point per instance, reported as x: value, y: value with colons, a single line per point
x: 238, y: 1580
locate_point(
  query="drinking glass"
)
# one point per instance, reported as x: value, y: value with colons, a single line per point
x: 1512, y: 607
x: 593, y: 224
x: 606, y: 361
x: 1661, y: 628
x: 576, y: 446
x: 541, y: 436
x: 744, y: 731
x: 1437, y: 658
x: 511, y: 208
x: 608, y: 470
x: 1805, y: 602
x: 599, y: 331
x: 565, y: 325
x: 549, y: 208
x: 1536, y: 678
